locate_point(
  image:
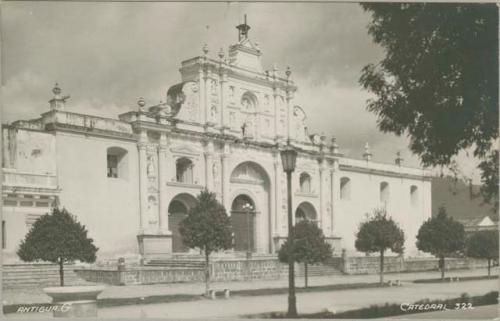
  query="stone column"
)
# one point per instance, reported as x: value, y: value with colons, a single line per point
x: 322, y: 197
x: 276, y: 113
x: 278, y: 196
x: 162, y: 184
x: 209, y: 163
x: 334, y: 193
x: 202, y: 93
x: 143, y: 181
x: 207, y: 92
x: 223, y: 110
x: 226, y: 175
x: 289, y: 111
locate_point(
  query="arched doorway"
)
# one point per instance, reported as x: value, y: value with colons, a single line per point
x: 250, y: 184
x: 305, y: 211
x: 243, y: 223
x: 177, y: 211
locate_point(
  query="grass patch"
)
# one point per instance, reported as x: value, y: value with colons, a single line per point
x: 388, y: 309
x: 453, y: 279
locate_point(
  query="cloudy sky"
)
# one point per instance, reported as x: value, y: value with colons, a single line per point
x: 106, y: 55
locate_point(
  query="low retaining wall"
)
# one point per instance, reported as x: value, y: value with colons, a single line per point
x: 269, y: 268
x: 223, y: 270
x: 371, y: 264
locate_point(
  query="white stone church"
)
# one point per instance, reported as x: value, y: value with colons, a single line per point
x: 131, y: 180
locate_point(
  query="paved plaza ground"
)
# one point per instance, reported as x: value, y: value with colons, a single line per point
x: 36, y: 295
x: 307, y: 302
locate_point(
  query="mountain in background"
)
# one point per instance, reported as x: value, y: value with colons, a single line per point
x: 462, y: 200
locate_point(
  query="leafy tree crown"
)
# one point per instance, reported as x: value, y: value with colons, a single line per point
x: 483, y: 245
x: 207, y: 225
x: 310, y: 245
x: 439, y: 78
x: 56, y: 236
x: 441, y: 235
x: 380, y: 233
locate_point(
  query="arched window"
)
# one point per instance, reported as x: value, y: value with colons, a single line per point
x: 414, y: 195
x: 305, y: 183
x: 305, y: 212
x: 117, y: 162
x: 345, y: 188
x: 248, y: 101
x: 384, y: 192
x: 184, y: 170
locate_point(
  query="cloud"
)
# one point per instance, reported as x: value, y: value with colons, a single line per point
x: 106, y: 55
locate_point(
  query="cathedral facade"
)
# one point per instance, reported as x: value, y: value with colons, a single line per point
x: 131, y: 180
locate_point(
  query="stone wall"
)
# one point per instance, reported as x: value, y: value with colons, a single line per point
x: 221, y: 270
x: 371, y: 264
x: 240, y: 269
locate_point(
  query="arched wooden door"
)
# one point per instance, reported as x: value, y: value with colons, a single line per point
x: 243, y: 223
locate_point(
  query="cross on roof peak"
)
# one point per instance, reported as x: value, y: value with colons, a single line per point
x: 243, y: 29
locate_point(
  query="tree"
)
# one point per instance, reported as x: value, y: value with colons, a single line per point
x: 208, y: 228
x: 379, y: 234
x: 59, y: 238
x: 489, y: 178
x: 438, y: 81
x: 441, y: 236
x: 483, y: 245
x: 310, y: 246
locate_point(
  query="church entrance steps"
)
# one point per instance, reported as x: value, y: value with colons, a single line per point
x: 37, y: 275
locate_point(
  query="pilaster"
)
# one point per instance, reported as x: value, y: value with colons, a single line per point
x: 226, y: 179
x: 276, y: 113
x: 206, y: 107
x: 143, y: 181
x: 223, y: 90
x: 209, y: 164
x: 323, y: 176
x: 203, y: 96
x: 163, y: 160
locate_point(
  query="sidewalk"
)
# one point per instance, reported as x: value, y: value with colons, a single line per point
x: 36, y: 295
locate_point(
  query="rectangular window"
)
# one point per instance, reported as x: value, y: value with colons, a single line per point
x: 4, y: 239
x: 113, y: 166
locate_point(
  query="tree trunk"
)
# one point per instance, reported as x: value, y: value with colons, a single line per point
x: 489, y: 267
x: 441, y: 264
x: 207, y: 272
x: 381, y: 267
x: 305, y: 274
x: 61, y: 272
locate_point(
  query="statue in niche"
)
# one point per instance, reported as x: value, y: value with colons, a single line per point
x: 213, y: 86
x: 151, y: 167
x: 231, y: 91
x: 245, y: 103
x: 213, y: 113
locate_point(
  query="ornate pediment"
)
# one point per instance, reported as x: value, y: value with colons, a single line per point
x: 184, y: 99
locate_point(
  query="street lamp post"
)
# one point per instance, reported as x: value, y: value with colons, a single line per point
x: 288, y: 159
x: 248, y: 208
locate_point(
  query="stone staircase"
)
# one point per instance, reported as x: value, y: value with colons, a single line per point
x: 177, y: 263
x: 37, y: 275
